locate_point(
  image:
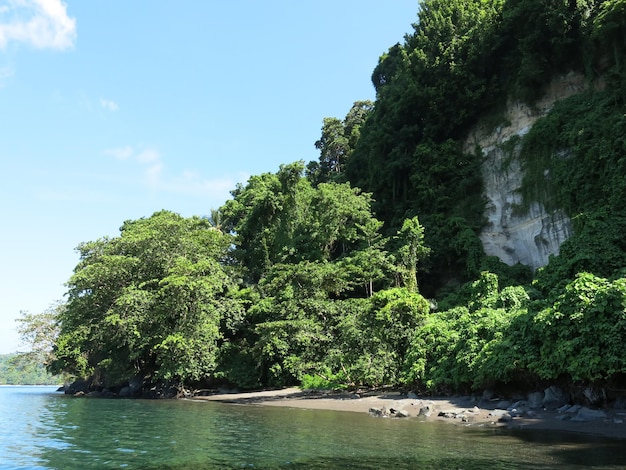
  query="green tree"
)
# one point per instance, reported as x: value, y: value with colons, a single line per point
x: 338, y: 141
x: 282, y: 218
x: 148, y: 302
x: 412, y: 250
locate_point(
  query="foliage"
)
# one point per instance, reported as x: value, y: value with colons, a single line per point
x: 327, y: 381
x: 25, y: 369
x: 317, y: 275
x: 337, y: 143
x: 453, y: 349
x: 279, y: 218
x: 583, y: 330
x: 149, y: 301
x: 39, y: 332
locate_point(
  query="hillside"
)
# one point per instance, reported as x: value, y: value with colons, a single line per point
x: 463, y: 231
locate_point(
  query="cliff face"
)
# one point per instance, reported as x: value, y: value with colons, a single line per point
x: 515, y: 236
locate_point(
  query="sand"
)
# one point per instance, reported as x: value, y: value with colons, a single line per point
x: 464, y: 411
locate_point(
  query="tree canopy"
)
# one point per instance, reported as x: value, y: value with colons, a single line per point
x: 365, y: 267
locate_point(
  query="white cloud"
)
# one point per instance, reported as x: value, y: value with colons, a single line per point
x: 155, y: 176
x: 44, y: 24
x: 108, y: 104
x: 121, y: 153
x: 148, y: 156
x: 195, y: 184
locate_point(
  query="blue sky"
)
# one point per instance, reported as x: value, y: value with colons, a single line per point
x: 113, y: 110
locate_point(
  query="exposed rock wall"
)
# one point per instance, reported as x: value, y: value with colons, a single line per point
x: 531, y: 236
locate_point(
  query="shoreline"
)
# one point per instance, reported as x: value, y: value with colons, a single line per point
x: 461, y: 410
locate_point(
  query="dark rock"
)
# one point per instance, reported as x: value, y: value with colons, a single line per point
x: 594, y: 396
x: 136, y: 385
x: 587, y: 414
x: 554, y: 397
x: 535, y: 399
x: 620, y: 403
x: 505, y: 418
x: 412, y: 395
x: 569, y: 409
x: 125, y: 392
x: 504, y: 404
x: 161, y: 390
x: 379, y: 412
x: 518, y: 404
x: 78, y: 386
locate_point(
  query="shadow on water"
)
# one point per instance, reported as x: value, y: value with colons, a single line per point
x: 576, y: 449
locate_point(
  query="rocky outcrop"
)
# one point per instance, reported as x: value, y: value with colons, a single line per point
x: 514, y: 235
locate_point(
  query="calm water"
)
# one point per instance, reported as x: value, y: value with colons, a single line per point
x: 41, y: 429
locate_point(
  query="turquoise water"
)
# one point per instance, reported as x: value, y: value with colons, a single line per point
x: 41, y: 429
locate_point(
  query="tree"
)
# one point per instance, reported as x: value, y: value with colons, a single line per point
x: 412, y: 250
x: 148, y: 302
x: 39, y: 331
x: 282, y: 218
x: 338, y: 140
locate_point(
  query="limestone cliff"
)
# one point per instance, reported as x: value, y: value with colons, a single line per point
x: 528, y: 237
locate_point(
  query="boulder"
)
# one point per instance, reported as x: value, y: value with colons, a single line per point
x: 425, y: 411
x: 161, y: 390
x: 401, y: 414
x: 498, y: 413
x: 620, y: 403
x: 503, y: 404
x: 535, y: 400
x: 135, y: 384
x: 379, y: 412
x: 554, y: 398
x: 78, y: 386
x: 587, y: 414
x: 594, y: 396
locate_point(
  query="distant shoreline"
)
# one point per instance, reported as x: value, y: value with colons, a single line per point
x: 32, y: 385
x: 456, y: 410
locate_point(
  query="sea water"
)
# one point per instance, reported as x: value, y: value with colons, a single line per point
x: 44, y: 429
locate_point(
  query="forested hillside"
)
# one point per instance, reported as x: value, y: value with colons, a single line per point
x: 365, y: 268
x: 19, y: 370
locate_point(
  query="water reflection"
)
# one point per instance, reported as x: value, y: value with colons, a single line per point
x: 68, y: 433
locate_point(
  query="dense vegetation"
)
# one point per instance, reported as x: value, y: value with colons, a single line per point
x: 320, y: 274
x: 16, y: 369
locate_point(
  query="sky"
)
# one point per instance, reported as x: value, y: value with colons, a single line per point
x: 114, y: 109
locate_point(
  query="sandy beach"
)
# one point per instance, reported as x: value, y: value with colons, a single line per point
x: 463, y: 411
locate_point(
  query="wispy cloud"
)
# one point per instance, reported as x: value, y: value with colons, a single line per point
x: 120, y: 153
x: 44, y: 24
x: 108, y: 104
x: 154, y: 174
